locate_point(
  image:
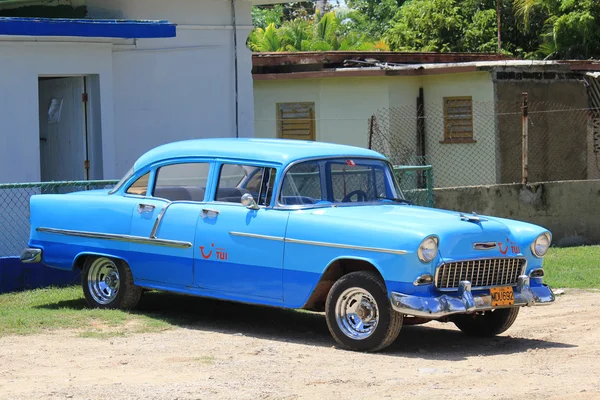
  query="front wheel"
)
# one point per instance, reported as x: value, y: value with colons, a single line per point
x: 108, y: 283
x: 359, y: 314
x: 489, y: 323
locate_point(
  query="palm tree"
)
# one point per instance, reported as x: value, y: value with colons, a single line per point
x: 324, y: 32
x: 265, y: 40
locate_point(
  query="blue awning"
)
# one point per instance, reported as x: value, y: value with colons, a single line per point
x: 104, y: 28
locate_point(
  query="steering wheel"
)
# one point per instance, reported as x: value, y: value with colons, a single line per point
x: 361, y: 196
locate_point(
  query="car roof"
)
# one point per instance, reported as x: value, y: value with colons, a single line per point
x: 282, y: 151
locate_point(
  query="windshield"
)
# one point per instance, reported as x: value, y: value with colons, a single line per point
x: 338, y: 181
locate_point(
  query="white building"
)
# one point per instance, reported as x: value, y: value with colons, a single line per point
x: 82, y: 99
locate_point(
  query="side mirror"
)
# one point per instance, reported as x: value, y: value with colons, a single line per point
x: 248, y: 202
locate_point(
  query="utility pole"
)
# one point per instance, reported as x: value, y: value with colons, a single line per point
x: 525, y: 139
x: 498, y: 13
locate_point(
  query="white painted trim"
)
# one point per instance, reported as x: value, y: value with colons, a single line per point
x: 121, y: 48
x: 63, y: 40
x: 212, y: 27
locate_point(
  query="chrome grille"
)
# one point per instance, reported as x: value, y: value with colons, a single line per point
x: 481, y: 273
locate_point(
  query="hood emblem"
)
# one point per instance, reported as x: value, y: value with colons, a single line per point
x: 471, y: 217
x: 484, y: 246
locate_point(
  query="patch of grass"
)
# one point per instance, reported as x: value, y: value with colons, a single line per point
x: 41, y: 310
x: 573, y: 267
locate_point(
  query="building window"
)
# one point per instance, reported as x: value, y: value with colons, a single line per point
x: 296, y: 121
x: 458, y: 120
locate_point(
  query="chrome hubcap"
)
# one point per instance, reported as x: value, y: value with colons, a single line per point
x: 356, y: 313
x: 103, y: 280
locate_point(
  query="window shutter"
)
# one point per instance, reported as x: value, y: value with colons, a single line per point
x: 296, y: 121
x: 458, y: 118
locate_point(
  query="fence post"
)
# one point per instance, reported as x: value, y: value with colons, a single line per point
x: 429, y: 184
x: 525, y: 138
x: 371, y: 121
x: 420, y: 135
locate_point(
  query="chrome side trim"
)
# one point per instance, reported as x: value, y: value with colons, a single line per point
x: 322, y: 244
x: 158, y: 220
x: 256, y: 236
x: 122, y: 238
x: 346, y: 246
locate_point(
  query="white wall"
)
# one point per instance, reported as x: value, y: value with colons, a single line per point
x: 179, y: 88
x: 22, y: 64
x: 461, y: 164
x: 343, y: 107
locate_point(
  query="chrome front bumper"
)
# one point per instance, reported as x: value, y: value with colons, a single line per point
x: 31, y: 256
x: 464, y: 302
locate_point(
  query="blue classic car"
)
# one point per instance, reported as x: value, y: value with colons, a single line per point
x: 291, y: 224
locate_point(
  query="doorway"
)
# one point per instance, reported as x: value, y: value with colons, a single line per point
x: 70, y: 138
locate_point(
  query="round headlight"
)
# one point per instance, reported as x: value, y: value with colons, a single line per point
x: 540, y: 245
x: 428, y: 249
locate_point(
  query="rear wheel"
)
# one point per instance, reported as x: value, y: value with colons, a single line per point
x: 108, y: 283
x: 359, y: 314
x: 488, y: 323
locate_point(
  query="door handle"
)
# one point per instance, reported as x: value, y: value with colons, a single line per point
x: 142, y: 208
x: 208, y: 212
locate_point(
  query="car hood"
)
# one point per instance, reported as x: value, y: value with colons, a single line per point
x: 460, y: 235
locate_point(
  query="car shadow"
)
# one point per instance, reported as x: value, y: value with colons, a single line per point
x: 310, y: 328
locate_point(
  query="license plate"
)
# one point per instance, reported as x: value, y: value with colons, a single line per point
x: 502, y: 296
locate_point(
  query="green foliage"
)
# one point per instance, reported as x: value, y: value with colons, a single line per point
x: 324, y: 32
x: 374, y: 17
x: 428, y: 25
x: 264, y: 16
x: 529, y: 28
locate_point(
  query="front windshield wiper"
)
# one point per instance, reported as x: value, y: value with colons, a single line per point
x: 396, y: 199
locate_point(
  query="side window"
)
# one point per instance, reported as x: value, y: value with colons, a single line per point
x: 236, y: 180
x: 140, y: 187
x: 302, y: 185
x: 180, y: 182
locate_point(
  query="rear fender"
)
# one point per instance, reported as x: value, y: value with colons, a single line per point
x: 81, y: 257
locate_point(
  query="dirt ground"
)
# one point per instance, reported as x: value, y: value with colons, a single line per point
x: 245, y: 352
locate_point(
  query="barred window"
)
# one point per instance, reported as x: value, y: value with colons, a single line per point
x: 458, y: 120
x: 296, y: 121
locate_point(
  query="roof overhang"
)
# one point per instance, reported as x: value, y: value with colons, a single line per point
x: 96, y: 28
x: 265, y: 2
x: 274, y: 66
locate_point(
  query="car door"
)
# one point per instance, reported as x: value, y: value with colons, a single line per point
x: 168, y: 216
x: 241, y: 249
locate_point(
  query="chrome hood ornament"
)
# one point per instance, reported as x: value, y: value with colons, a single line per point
x: 471, y: 217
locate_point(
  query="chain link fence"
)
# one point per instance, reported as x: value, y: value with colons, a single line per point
x: 14, y: 209
x: 416, y: 183
x: 14, y: 200
x: 472, y: 143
